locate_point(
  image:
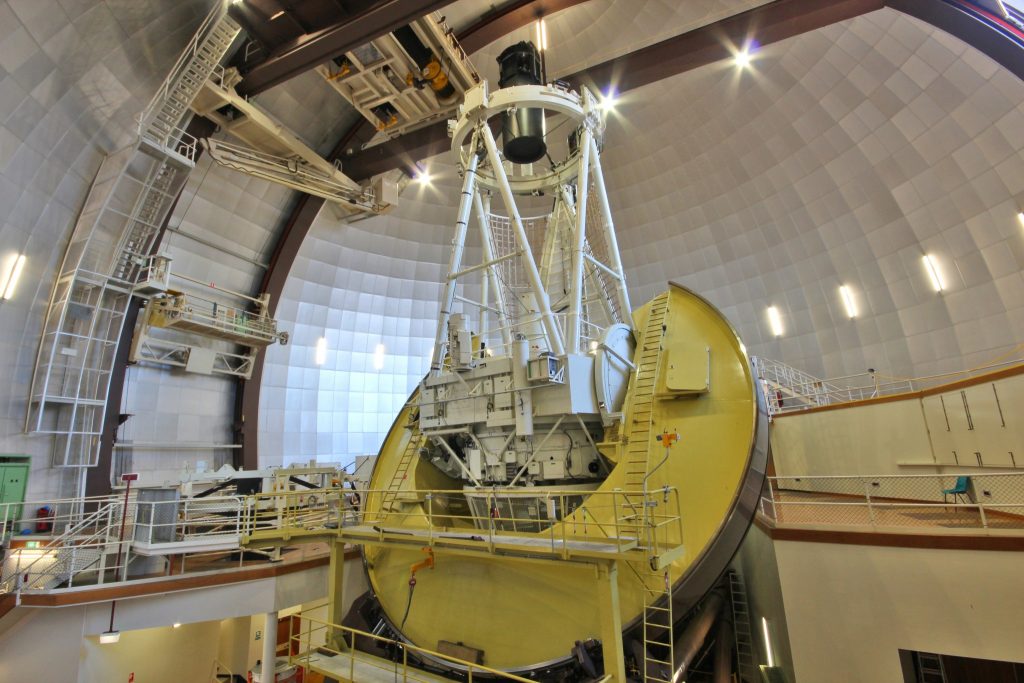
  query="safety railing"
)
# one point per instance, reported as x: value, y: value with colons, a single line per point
x: 788, y: 389
x: 330, y: 649
x: 294, y: 513
x: 560, y: 522
x: 199, y: 521
x: 96, y: 540
x: 921, y: 502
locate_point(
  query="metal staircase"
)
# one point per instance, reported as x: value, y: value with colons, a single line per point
x: 648, y: 364
x: 131, y: 196
x: 82, y: 547
x: 161, y: 123
x: 745, y: 659
x: 390, y: 494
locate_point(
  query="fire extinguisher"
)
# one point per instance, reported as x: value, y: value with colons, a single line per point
x: 44, y: 519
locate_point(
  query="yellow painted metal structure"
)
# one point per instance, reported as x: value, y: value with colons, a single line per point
x: 692, y: 376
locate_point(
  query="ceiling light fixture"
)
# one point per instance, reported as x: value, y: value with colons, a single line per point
x: 423, y: 177
x: 108, y: 637
x: 542, y: 35
x: 745, y: 55
x: 934, y: 274
x: 321, y: 351
x: 848, y: 301
x: 775, y: 320
x: 277, y: 15
x: 10, y: 274
x: 176, y: 625
x: 608, y: 100
x: 378, y: 357
x: 1020, y: 217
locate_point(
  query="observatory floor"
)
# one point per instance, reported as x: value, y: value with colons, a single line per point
x: 365, y: 668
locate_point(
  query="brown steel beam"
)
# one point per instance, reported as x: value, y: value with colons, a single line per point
x: 768, y: 24
x: 507, y: 18
x: 308, y: 51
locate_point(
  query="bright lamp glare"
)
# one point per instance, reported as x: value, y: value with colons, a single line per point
x: 848, y: 301
x: 743, y: 58
x: 321, y: 351
x: 378, y: 357
x: 542, y: 34
x: 108, y: 637
x: 176, y: 625
x: 608, y: 100
x: 423, y: 178
x: 10, y: 274
x: 775, y: 320
x: 934, y: 274
x: 1020, y: 217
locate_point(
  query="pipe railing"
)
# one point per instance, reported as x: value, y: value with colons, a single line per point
x: 917, y: 501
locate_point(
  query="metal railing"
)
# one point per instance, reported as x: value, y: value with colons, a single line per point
x: 320, y: 645
x: 920, y: 502
x: 788, y: 389
x: 559, y: 522
x: 80, y: 541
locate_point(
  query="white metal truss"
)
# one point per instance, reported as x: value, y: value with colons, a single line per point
x: 190, y: 317
x: 557, y: 280
x: 149, y: 349
x: 385, y: 84
x: 271, y: 151
x: 117, y: 229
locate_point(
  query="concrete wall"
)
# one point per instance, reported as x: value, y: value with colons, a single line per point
x: 58, y: 645
x: 850, y: 608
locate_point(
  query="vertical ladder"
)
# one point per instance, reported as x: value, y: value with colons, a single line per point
x: 658, y: 647
x: 401, y: 471
x: 929, y: 668
x: 745, y: 660
x: 648, y: 362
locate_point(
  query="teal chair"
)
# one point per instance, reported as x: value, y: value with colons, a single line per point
x: 959, y: 491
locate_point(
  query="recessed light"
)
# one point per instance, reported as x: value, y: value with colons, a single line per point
x: 775, y: 320
x: 321, y: 351
x: 934, y: 274
x: 848, y: 301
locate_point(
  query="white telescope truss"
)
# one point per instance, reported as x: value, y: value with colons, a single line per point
x: 554, y: 280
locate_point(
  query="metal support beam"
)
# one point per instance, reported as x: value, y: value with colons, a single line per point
x: 310, y: 50
x: 611, y: 622
x: 769, y: 24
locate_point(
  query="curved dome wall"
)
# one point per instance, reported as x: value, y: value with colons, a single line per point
x: 842, y: 157
x: 371, y: 282
x: 72, y: 77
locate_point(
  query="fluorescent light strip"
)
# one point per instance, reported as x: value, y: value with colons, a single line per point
x: 775, y: 320
x: 767, y: 642
x: 934, y: 274
x: 321, y: 351
x: 378, y: 357
x: 848, y: 301
x: 542, y: 34
x: 11, y: 274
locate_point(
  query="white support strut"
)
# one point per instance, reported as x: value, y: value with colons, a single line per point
x: 554, y: 335
x: 458, y: 246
